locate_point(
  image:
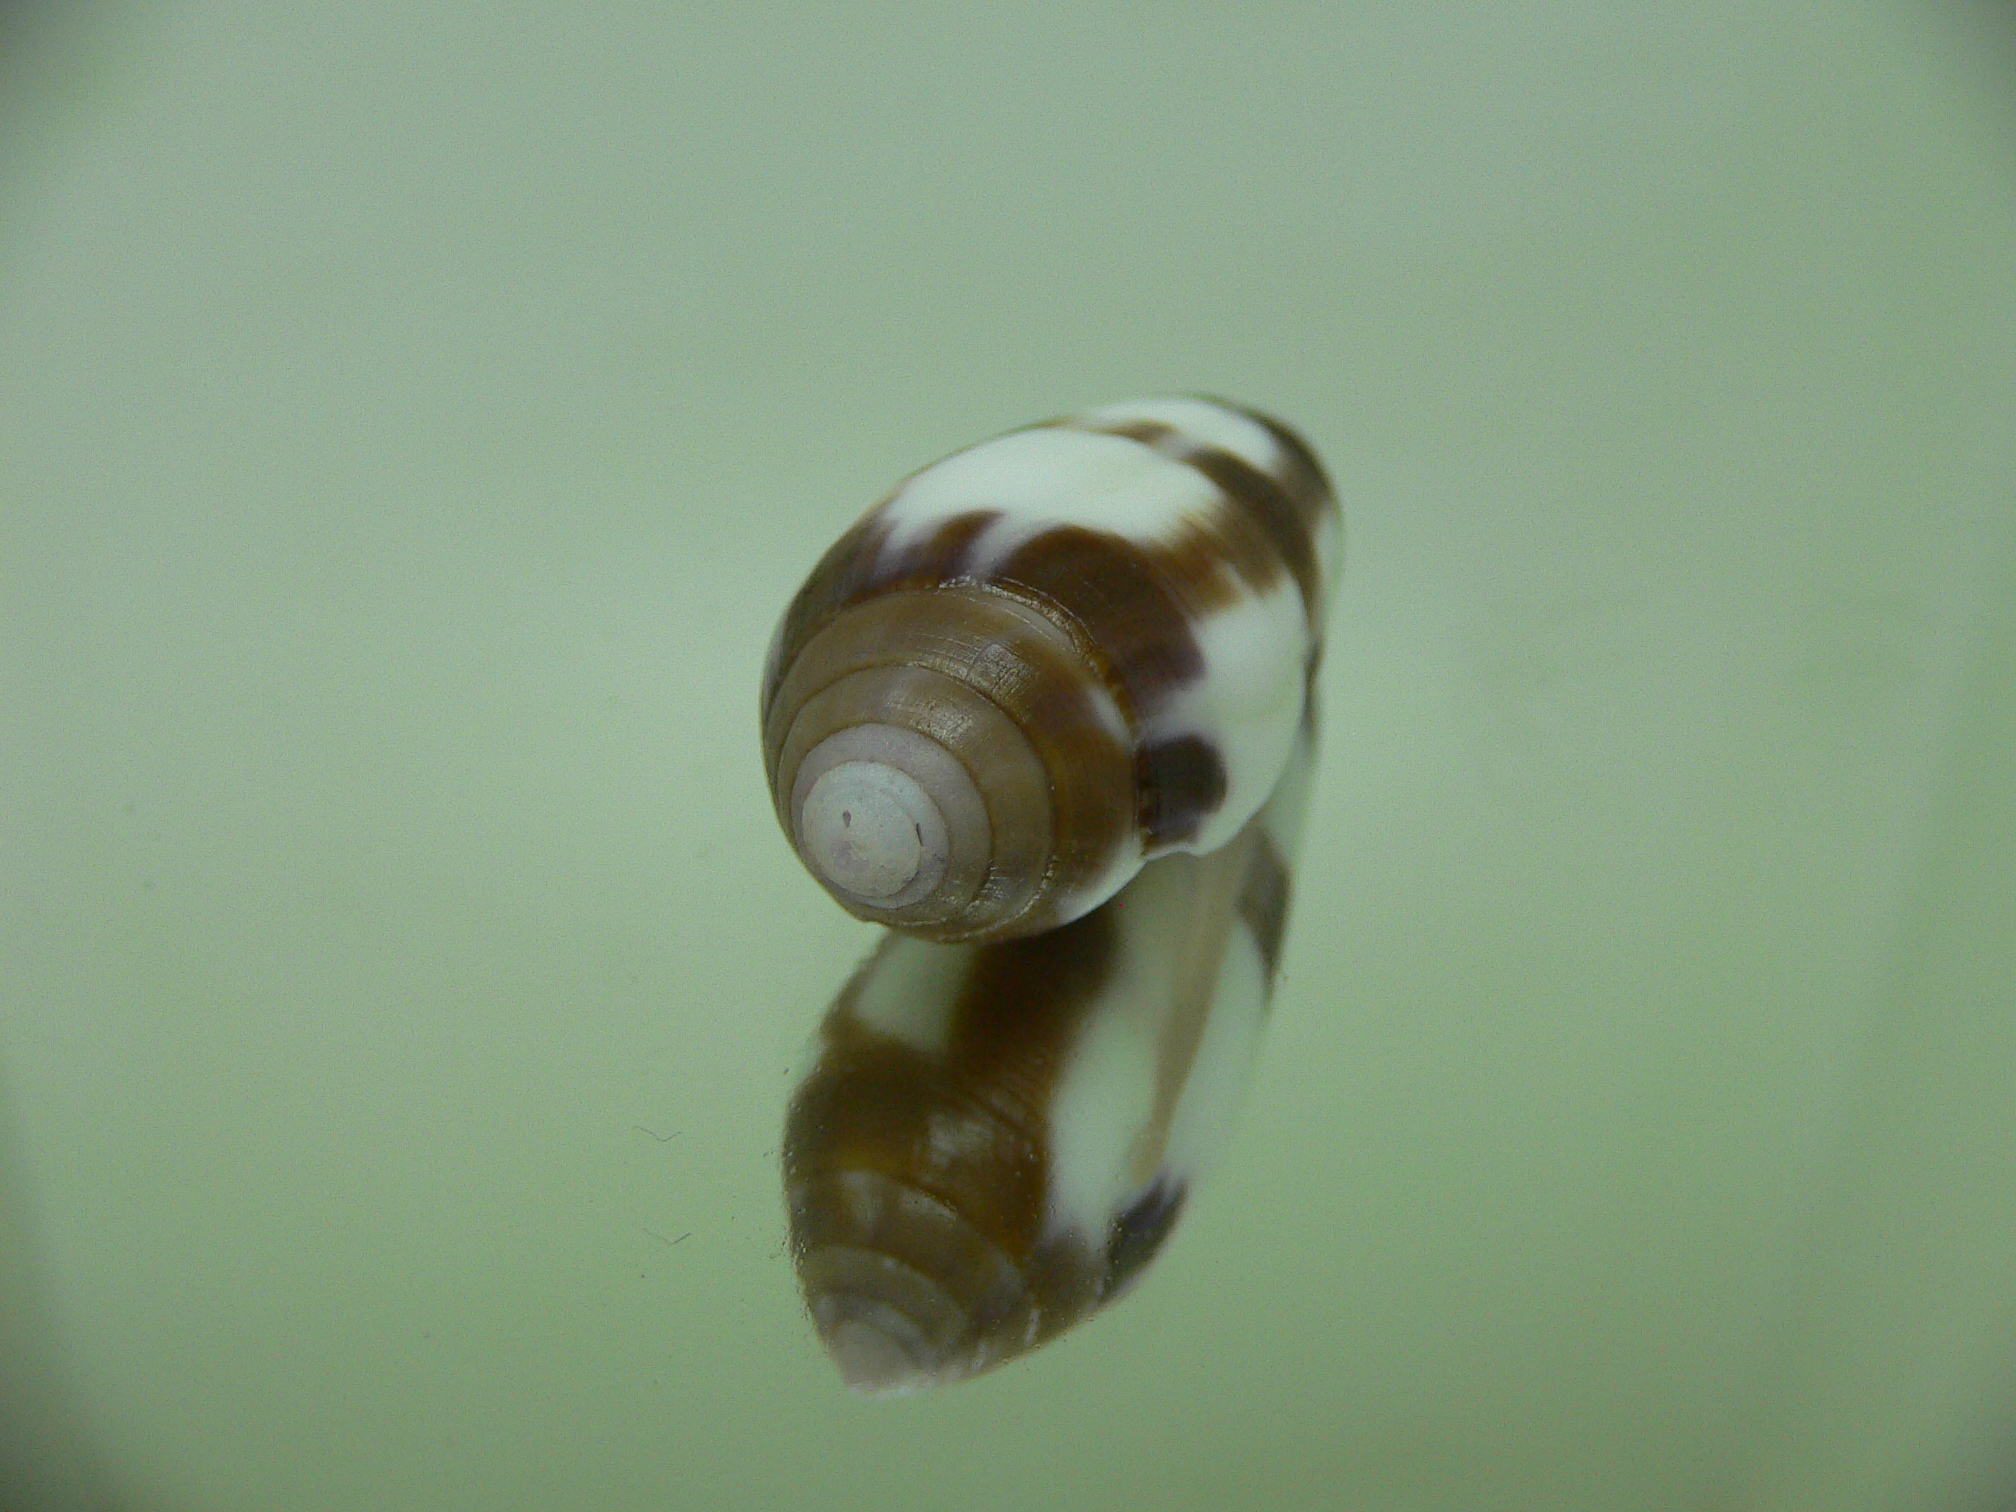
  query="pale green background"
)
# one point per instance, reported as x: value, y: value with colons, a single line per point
x: 412, y: 419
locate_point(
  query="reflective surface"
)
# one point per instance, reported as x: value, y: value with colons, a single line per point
x: 411, y: 426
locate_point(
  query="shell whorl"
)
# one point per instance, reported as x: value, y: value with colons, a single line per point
x: 1046, y: 659
x: 964, y: 733
x: 904, y: 1291
x: 918, y: 1176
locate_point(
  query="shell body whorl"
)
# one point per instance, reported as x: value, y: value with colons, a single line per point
x: 1047, y: 659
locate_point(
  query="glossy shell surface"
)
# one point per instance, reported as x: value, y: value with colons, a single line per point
x: 1048, y: 659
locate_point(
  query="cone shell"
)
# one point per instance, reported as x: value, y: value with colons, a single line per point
x: 1048, y: 659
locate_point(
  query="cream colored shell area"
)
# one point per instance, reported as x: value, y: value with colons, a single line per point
x: 1247, y: 705
x: 1069, y: 474
x: 1108, y: 1145
x: 1139, y: 1103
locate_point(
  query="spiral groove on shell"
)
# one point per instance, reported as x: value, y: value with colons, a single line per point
x: 989, y: 710
x: 1046, y: 659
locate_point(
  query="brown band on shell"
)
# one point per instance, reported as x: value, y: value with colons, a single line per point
x: 1272, y: 521
x: 834, y: 582
x: 860, y: 565
x: 1303, y: 476
x: 1263, y: 901
x: 1263, y: 501
x: 1138, y: 1235
x: 934, y: 556
x: 966, y: 1134
x: 1182, y: 783
x: 1136, y: 606
x: 1008, y: 696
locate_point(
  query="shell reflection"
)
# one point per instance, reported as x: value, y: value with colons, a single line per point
x: 992, y: 1141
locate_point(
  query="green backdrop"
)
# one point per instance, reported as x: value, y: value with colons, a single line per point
x: 412, y: 419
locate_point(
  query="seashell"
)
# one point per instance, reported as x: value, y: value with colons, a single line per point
x: 1048, y: 712
x: 992, y: 1141
x: 1048, y: 659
